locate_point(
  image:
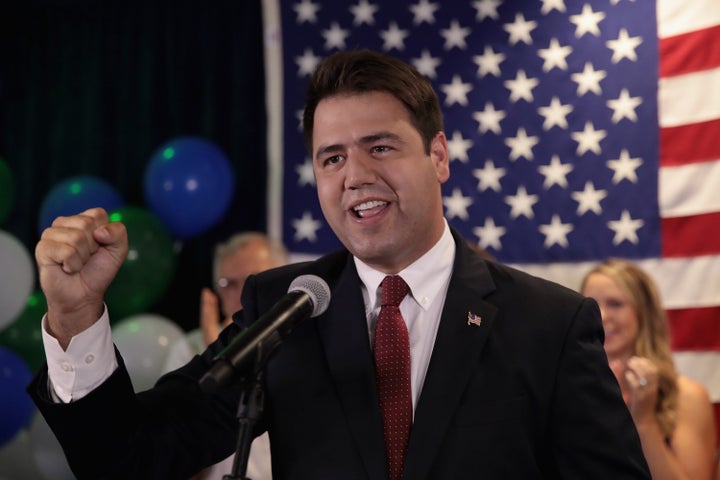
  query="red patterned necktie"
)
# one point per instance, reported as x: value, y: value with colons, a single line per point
x: 392, y: 371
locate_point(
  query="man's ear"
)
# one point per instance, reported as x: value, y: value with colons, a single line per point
x: 440, y: 156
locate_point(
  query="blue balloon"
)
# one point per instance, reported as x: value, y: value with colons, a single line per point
x: 16, y: 406
x: 76, y: 194
x: 188, y: 185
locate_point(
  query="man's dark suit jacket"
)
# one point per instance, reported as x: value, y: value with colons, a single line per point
x: 526, y: 394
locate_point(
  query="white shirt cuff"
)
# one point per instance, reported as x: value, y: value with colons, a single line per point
x: 88, y: 361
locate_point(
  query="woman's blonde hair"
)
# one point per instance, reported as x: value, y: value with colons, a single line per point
x: 653, y: 340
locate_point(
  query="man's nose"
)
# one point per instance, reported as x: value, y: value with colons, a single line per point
x: 359, y: 171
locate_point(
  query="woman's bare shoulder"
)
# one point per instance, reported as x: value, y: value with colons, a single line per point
x: 692, y: 389
x: 693, y: 398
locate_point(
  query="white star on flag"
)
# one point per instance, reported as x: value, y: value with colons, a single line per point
x: 624, y: 167
x: 589, y: 139
x: 489, y: 234
x: 489, y: 119
x: 624, y: 106
x: 555, y: 56
x: 489, y: 62
x: 306, y: 227
x: 457, y: 205
x: 625, y: 228
x: 589, y: 199
x: 556, y: 232
x: 520, y: 30
x: 364, y: 13
x: 455, y: 36
x: 489, y: 176
x: 456, y: 91
x: 306, y: 176
x: 587, y: 21
x: 555, y: 114
x: 555, y: 173
x: 458, y: 147
x: 521, y: 203
x: 624, y: 46
x: 424, y: 12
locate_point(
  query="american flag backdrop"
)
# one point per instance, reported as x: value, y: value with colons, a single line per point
x: 577, y: 130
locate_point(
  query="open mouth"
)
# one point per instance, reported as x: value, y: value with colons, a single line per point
x: 368, y: 209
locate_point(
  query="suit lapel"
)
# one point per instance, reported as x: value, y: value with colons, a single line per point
x: 454, y: 359
x: 343, y: 330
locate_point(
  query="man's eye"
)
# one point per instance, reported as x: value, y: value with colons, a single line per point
x: 332, y: 160
x: 380, y: 149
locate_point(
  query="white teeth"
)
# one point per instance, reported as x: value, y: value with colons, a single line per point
x: 368, y: 205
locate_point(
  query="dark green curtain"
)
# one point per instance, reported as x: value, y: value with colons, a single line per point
x: 93, y: 87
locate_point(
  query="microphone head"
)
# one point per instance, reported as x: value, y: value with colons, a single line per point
x: 316, y: 288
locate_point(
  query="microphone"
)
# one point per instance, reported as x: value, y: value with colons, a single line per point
x: 308, y: 296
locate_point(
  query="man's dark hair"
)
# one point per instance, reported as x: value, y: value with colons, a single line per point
x: 361, y: 71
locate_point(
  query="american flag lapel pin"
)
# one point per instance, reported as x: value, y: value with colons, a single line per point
x: 474, y: 319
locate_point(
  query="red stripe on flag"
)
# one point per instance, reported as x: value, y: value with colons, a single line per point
x: 692, y: 235
x: 695, y: 329
x: 690, y: 52
x: 687, y: 144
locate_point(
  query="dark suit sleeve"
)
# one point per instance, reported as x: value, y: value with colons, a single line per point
x: 591, y: 430
x: 168, y: 432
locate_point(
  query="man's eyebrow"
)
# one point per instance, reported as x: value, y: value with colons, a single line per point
x: 328, y: 149
x: 375, y: 137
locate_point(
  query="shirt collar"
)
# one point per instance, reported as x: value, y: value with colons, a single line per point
x: 426, y: 277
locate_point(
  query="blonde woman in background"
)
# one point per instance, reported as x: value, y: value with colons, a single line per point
x: 673, y: 413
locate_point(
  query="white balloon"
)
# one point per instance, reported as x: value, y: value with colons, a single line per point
x: 17, y: 278
x: 145, y: 340
x: 48, y: 455
x: 184, y: 350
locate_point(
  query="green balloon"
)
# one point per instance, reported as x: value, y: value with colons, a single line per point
x: 147, y: 271
x: 7, y: 191
x: 23, y: 336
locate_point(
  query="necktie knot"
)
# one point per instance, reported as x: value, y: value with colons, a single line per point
x: 394, y: 290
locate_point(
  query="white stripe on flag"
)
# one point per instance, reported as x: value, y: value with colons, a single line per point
x: 690, y: 98
x: 665, y: 272
x: 703, y: 367
x: 689, y: 189
x: 676, y: 17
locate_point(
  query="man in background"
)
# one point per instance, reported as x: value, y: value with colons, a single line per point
x: 242, y: 255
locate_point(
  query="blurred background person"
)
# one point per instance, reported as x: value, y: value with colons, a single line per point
x: 234, y: 260
x: 242, y: 255
x: 673, y: 413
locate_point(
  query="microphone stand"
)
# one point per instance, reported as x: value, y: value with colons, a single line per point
x: 250, y: 409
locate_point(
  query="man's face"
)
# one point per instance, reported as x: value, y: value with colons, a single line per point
x: 378, y: 189
x: 234, y: 269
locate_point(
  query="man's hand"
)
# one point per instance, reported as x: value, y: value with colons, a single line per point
x: 210, y: 323
x: 77, y: 259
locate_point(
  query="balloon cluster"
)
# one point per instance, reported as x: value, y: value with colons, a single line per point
x: 188, y: 186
